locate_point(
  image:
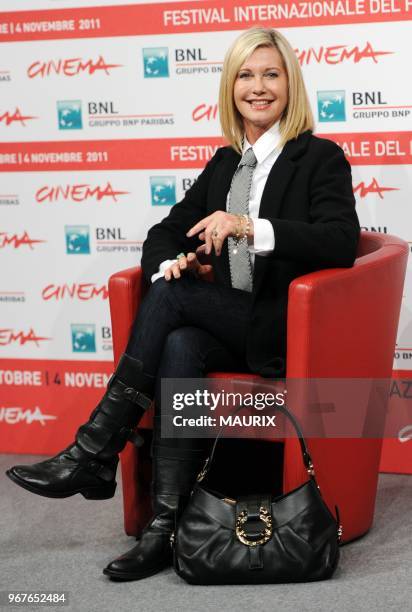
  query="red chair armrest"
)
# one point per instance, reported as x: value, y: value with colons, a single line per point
x: 126, y: 289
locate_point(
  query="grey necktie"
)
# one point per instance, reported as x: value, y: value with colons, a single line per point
x: 239, y: 256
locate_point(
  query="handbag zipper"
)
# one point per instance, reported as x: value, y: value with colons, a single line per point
x: 172, y: 539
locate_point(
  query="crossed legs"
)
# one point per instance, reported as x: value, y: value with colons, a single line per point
x: 184, y: 329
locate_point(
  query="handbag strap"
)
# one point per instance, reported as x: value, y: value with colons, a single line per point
x: 307, y: 460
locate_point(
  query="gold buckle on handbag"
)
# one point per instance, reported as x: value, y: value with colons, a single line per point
x: 264, y: 536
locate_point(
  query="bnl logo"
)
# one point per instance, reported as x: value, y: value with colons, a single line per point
x: 83, y: 338
x: 77, y: 239
x: 163, y: 190
x: 331, y: 106
x: 155, y: 62
x: 69, y: 113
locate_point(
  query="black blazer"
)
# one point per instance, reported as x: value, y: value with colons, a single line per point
x: 308, y: 198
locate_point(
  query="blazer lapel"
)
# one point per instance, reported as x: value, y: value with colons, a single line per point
x: 223, y: 179
x: 280, y: 175
x: 277, y: 182
x: 221, y: 185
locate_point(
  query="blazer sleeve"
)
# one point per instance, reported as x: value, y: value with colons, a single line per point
x: 330, y: 237
x: 168, y: 238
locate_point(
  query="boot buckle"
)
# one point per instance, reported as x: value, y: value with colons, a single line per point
x: 134, y: 437
x: 137, y: 397
x: 93, y: 466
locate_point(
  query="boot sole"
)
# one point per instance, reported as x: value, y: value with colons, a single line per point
x: 106, y: 492
x: 127, y: 576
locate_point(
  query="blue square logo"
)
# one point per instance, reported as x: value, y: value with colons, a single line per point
x: 69, y: 113
x: 156, y: 62
x: 331, y: 106
x: 77, y: 239
x: 163, y: 190
x: 83, y: 338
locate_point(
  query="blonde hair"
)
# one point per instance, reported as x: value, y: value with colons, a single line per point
x: 297, y: 116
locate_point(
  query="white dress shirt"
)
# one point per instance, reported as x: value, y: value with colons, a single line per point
x: 266, y: 150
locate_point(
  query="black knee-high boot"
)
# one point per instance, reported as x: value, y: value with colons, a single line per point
x: 173, y: 480
x: 88, y: 466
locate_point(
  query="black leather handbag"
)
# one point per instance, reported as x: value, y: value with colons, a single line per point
x: 256, y: 539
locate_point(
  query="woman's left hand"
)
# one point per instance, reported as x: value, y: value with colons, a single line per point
x: 214, y: 230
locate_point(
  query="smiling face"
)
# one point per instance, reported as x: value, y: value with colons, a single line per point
x: 261, y: 91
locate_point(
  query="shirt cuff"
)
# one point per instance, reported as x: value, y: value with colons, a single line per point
x: 264, y: 237
x: 163, y: 266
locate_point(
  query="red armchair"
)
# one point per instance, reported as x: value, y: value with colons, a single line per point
x: 342, y: 323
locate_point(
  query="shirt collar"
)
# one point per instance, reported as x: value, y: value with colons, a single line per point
x: 264, y: 145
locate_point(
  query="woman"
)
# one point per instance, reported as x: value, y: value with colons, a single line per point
x: 273, y: 205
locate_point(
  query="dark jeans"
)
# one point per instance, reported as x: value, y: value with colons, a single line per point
x: 185, y: 328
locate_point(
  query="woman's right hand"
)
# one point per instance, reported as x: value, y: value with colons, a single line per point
x: 185, y: 263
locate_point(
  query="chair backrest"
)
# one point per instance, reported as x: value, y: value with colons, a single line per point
x: 343, y: 322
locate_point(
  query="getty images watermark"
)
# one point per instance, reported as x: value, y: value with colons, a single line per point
x: 254, y: 407
x: 205, y: 399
